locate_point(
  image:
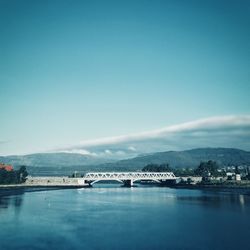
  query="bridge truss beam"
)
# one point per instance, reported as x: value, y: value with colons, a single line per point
x: 128, y: 178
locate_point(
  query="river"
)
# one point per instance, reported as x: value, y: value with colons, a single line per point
x: 112, y: 217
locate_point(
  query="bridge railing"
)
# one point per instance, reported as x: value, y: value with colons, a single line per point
x: 129, y: 175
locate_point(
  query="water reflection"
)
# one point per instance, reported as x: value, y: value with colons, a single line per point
x: 14, y: 198
x: 150, y: 218
x: 217, y: 200
x: 11, y: 198
x: 242, y: 200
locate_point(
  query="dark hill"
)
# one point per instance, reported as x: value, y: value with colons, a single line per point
x: 188, y: 158
x: 66, y: 163
x: 52, y: 160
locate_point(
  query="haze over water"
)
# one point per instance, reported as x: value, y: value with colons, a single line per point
x: 111, y: 217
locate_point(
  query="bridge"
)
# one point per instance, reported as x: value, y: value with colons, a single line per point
x: 127, y: 178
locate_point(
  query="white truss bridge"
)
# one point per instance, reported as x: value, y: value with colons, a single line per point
x: 128, y: 178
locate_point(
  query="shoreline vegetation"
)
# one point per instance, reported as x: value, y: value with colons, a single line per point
x: 208, y: 175
x: 10, y: 176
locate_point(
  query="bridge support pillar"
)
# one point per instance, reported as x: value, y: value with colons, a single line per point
x: 83, y: 182
x: 128, y: 183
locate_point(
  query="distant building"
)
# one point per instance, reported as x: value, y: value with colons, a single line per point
x: 237, y: 177
x: 233, y: 176
x: 230, y: 176
x: 6, y: 167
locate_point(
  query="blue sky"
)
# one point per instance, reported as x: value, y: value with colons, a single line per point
x: 79, y: 70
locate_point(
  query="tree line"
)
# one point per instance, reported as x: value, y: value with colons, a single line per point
x: 203, y: 169
x: 13, y: 177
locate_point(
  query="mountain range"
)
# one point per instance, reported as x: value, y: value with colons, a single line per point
x: 187, y: 158
x: 66, y: 163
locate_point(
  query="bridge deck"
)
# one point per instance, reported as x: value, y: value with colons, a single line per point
x: 129, y: 176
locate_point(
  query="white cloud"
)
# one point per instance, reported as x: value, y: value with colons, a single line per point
x: 213, y: 123
x: 108, y: 152
x: 78, y: 151
x: 131, y: 148
x: 222, y: 131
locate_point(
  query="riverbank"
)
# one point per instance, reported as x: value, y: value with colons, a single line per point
x: 48, y: 182
x: 64, y: 182
x: 230, y: 186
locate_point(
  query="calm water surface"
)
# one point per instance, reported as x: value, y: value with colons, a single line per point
x: 111, y: 217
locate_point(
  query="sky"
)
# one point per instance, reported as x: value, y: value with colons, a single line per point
x: 76, y: 71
